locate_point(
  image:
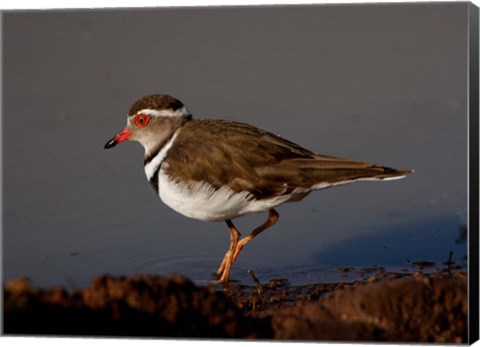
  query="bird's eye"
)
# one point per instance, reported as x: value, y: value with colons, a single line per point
x: 141, y: 120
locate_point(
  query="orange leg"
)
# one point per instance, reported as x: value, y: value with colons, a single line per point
x: 237, y: 245
x: 224, y: 270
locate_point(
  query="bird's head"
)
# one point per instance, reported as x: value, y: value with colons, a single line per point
x: 151, y: 120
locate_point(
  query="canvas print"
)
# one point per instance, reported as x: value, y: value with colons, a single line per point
x: 303, y: 172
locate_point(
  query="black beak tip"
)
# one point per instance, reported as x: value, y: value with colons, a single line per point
x: 110, y: 144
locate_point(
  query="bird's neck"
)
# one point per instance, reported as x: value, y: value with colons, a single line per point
x: 164, y: 131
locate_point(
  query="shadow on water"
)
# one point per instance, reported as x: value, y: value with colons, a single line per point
x: 401, y: 245
x: 393, y: 247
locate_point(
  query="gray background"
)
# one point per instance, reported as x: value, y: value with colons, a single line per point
x: 380, y: 83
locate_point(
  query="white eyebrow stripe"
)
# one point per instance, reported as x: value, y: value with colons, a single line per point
x: 181, y: 112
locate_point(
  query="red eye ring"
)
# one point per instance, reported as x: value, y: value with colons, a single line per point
x: 141, y: 120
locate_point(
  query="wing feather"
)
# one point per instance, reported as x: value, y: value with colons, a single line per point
x: 250, y: 159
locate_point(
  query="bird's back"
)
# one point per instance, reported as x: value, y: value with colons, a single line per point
x: 249, y: 159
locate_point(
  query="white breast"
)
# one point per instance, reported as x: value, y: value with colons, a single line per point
x: 202, y: 201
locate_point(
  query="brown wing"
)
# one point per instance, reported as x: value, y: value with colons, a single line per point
x: 308, y: 173
x: 250, y: 159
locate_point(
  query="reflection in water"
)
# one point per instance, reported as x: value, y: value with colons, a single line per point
x: 396, y: 248
x: 154, y: 263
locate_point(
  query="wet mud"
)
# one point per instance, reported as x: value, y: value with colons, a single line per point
x: 385, y: 306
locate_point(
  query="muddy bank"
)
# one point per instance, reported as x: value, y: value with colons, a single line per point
x: 386, y: 307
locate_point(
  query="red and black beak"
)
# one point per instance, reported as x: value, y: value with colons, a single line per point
x: 120, y: 137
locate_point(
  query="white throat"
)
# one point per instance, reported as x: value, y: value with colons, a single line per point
x: 154, y: 164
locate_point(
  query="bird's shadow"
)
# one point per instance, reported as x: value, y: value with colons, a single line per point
x: 400, y: 244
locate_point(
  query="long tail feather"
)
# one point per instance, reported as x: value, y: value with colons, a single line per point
x: 322, y: 172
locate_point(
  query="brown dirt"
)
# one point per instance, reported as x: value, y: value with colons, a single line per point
x: 385, y: 307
